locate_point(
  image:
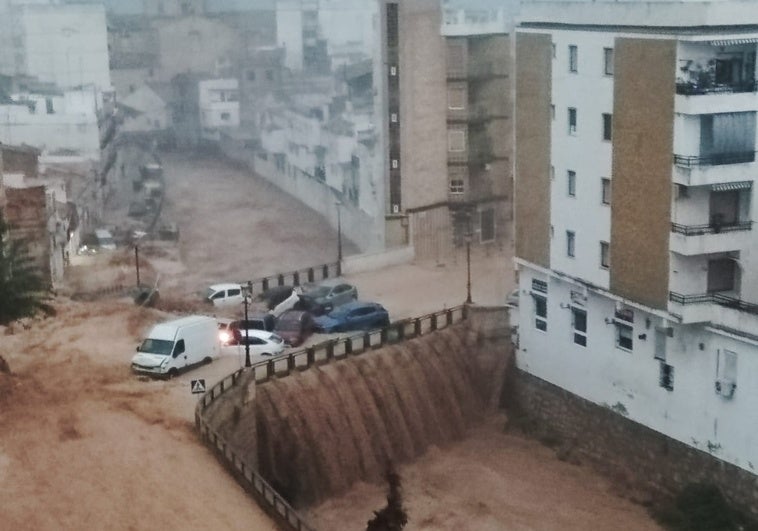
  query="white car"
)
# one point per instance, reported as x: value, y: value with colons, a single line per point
x: 263, y: 345
x: 224, y: 295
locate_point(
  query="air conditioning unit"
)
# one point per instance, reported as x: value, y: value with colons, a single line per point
x: 725, y: 387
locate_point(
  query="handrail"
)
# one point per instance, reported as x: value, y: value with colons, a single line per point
x: 711, y: 228
x: 716, y: 159
x: 296, y: 277
x: 714, y: 298
x: 325, y: 352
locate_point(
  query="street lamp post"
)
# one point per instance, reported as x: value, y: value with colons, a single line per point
x: 468, y: 268
x: 339, y: 238
x: 136, y: 261
x: 248, y: 292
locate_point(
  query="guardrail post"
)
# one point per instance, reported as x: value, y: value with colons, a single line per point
x: 264, y: 284
x: 296, y: 278
x: 417, y: 326
x: 465, y: 311
x: 401, y: 331
x: 270, y: 369
x: 290, y: 362
x: 339, y: 268
x: 325, y: 271
x: 366, y: 341
x: 330, y: 350
x: 348, y: 345
x: 434, y: 321
x: 280, y: 280
x: 383, y: 336
x: 449, y: 316
x: 310, y: 274
x: 310, y: 354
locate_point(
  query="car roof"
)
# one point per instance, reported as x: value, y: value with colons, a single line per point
x: 262, y: 334
x: 355, y: 304
x: 227, y: 285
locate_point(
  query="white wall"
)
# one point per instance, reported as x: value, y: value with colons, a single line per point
x: 219, y: 103
x: 66, y: 44
x: 602, y: 373
x: 590, y: 91
x: 289, y: 32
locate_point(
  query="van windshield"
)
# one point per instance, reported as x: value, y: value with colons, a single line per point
x: 162, y: 347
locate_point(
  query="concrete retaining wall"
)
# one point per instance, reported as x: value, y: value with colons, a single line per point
x: 629, y: 452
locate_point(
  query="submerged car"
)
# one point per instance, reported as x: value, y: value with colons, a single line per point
x: 355, y: 315
x: 260, y: 342
x: 222, y: 295
x: 294, y: 326
x: 320, y: 299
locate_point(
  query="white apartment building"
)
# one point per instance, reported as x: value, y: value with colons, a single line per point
x: 219, y: 105
x: 636, y: 248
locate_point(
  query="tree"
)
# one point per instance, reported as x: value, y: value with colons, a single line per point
x: 23, y: 291
x: 393, y: 517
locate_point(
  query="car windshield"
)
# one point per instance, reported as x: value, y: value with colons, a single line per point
x: 209, y: 293
x: 162, y: 347
x: 287, y: 324
x: 276, y: 339
x: 321, y: 291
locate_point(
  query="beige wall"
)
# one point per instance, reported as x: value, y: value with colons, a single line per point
x: 423, y: 102
x: 643, y: 118
x: 532, y: 180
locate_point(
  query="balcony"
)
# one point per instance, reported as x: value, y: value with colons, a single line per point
x: 690, y: 240
x: 475, y: 114
x: 716, y: 308
x: 708, y: 170
x: 479, y: 71
x: 710, y: 87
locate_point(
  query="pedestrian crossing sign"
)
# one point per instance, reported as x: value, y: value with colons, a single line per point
x: 197, y: 386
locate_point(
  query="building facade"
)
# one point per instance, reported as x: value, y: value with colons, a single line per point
x: 634, y: 206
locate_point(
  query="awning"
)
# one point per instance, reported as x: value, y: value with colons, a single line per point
x: 733, y: 42
x: 725, y: 187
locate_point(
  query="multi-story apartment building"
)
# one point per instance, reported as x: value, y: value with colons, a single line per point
x: 635, y: 198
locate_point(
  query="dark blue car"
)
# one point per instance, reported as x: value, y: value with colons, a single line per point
x: 353, y: 316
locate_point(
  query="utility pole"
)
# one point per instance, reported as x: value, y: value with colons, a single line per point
x: 339, y: 238
x: 468, y: 259
x: 248, y: 292
x: 136, y: 261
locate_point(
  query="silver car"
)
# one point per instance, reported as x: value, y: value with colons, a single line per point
x: 331, y: 293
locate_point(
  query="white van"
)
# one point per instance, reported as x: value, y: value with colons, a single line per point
x: 178, y: 345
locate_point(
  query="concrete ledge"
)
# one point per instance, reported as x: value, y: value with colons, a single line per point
x: 372, y: 261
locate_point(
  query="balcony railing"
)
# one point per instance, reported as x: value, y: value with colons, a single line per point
x: 717, y: 159
x: 698, y: 89
x: 698, y: 230
x: 714, y: 298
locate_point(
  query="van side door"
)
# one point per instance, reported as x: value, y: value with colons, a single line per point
x: 180, y: 353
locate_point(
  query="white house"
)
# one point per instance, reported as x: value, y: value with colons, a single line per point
x: 635, y: 243
x: 219, y: 105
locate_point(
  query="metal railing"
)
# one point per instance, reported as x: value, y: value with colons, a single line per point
x: 714, y: 298
x: 284, y: 365
x: 297, y: 277
x: 717, y: 159
x: 698, y: 89
x: 712, y: 228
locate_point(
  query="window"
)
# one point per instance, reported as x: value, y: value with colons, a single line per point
x: 456, y: 98
x: 579, y: 323
x: 607, y: 126
x: 49, y: 105
x: 721, y: 275
x: 393, y: 71
x: 573, y: 58
x: 605, y: 185
x: 571, y: 183
x: 395, y: 164
x: 572, y: 120
x: 540, y: 312
x: 233, y: 292
x: 270, y: 75
x: 624, y: 329
x: 251, y: 75
x: 666, y: 378
x: 225, y: 116
x: 178, y: 348
x: 456, y: 140
x: 726, y: 373
x: 605, y: 255
x: 393, y: 117
x: 457, y: 186
x: 608, y: 61
x: 487, y: 225
x: 570, y: 243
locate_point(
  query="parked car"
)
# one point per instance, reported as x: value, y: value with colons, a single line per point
x: 257, y: 321
x: 355, y: 315
x: 225, y: 332
x: 222, y: 295
x: 324, y: 297
x: 275, y: 295
x: 294, y: 327
x: 261, y: 344
x: 105, y: 239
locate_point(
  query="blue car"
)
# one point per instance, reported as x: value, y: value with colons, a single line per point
x: 353, y: 316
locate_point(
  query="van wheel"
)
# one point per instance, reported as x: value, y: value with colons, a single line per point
x: 173, y: 373
x: 207, y: 360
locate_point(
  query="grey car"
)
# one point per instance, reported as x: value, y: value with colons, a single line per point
x: 331, y: 293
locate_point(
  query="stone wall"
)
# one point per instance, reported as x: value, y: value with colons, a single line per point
x: 636, y: 456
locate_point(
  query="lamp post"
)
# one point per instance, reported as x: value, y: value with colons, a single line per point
x: 339, y: 237
x: 468, y: 260
x: 137, y: 236
x: 248, y: 292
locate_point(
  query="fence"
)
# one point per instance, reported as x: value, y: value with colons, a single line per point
x: 297, y: 277
x: 284, y: 365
